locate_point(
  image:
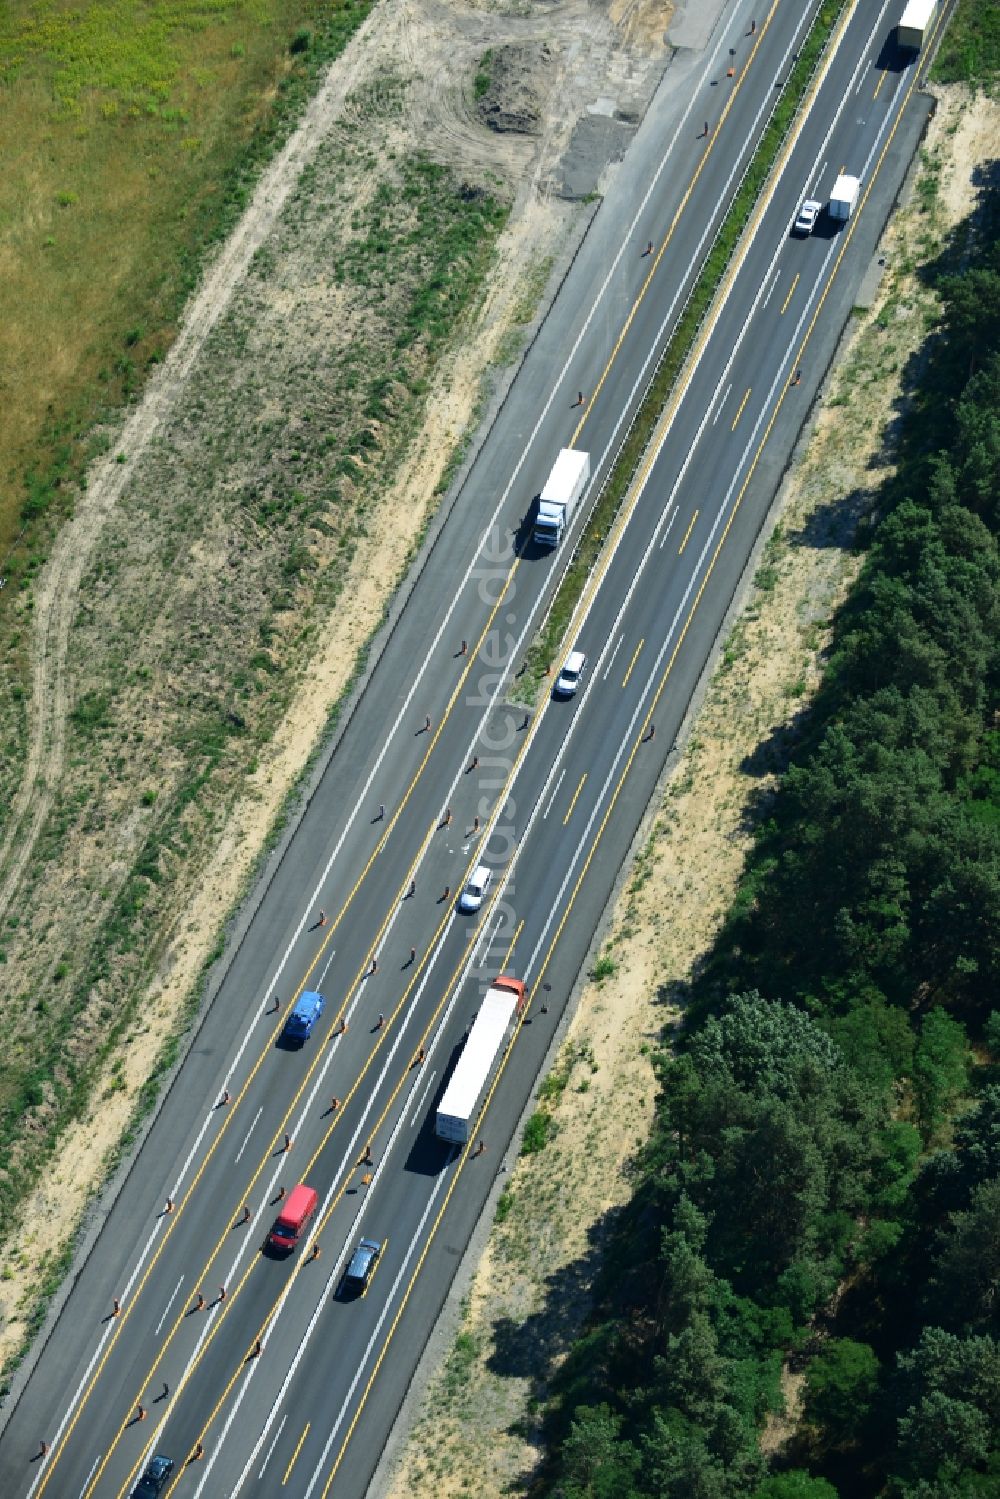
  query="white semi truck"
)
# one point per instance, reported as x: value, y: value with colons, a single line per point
x: 844, y: 198
x: 457, y: 1109
x: 915, y: 23
x: 558, y: 499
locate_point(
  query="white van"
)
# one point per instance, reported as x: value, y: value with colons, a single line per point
x: 568, y: 679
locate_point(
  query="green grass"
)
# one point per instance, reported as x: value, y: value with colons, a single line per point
x: 969, y: 51
x: 484, y: 74
x: 132, y: 135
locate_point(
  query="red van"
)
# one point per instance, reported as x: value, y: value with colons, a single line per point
x: 291, y: 1221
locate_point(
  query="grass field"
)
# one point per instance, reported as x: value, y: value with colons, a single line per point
x: 970, y: 48
x: 130, y: 131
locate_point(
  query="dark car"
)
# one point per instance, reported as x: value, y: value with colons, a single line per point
x: 362, y: 1267
x: 308, y: 1009
x: 154, y: 1480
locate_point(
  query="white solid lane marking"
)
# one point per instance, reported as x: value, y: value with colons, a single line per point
x: 86, y: 1481
x: 362, y: 798
x: 552, y: 798
x: 274, y: 1444
x: 376, y: 1334
x: 328, y: 1289
x: 653, y: 676
x: 349, y: 1156
x: 422, y: 1099
x: 246, y: 1137
x: 614, y: 653
x: 166, y: 1310
x: 725, y: 395
x: 402, y: 717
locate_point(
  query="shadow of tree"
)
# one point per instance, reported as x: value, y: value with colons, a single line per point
x: 536, y: 1349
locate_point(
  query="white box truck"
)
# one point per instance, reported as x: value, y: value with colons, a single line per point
x: 558, y: 499
x: 914, y: 24
x: 844, y: 198
x: 457, y: 1109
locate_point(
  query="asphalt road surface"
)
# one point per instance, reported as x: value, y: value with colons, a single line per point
x: 551, y: 800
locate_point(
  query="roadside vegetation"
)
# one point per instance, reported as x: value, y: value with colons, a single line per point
x: 201, y: 607
x: 822, y: 1182
x: 132, y: 141
x: 204, y: 551
x: 970, y: 48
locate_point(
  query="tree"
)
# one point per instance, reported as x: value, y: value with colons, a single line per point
x: 794, y: 1485
x: 965, y: 1286
x: 768, y: 1134
x: 948, y: 1390
x: 596, y: 1462
x: 940, y: 1069
x: 840, y: 1387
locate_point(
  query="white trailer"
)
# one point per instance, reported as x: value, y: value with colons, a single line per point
x: 844, y: 198
x: 558, y: 499
x: 914, y: 24
x: 457, y: 1109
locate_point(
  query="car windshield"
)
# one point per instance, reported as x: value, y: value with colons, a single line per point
x: 362, y: 1262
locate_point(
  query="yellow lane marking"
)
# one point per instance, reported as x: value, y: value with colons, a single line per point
x: 572, y: 804
x: 126, y: 1311
x: 538, y: 983
x: 298, y: 1449
x: 740, y: 412
x: 673, y: 225
x: 711, y: 566
x: 633, y: 661
x: 385, y: 1246
x: 466, y: 1154
x: 605, y: 819
x: 262, y: 1330
x: 881, y: 80
x: 791, y: 293
x: 687, y: 533
x: 307, y: 1168
x: 431, y: 745
x: 231, y: 1110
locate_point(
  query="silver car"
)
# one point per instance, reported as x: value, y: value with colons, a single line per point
x: 807, y: 216
x: 472, y: 896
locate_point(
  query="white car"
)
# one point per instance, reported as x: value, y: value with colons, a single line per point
x: 472, y: 896
x: 808, y: 214
x: 568, y: 679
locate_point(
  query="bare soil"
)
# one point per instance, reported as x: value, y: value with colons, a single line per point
x: 203, y: 611
x: 476, y: 1431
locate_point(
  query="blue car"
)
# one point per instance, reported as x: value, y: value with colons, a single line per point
x: 308, y: 1009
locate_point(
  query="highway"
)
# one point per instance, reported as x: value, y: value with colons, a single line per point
x: 258, y: 1375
